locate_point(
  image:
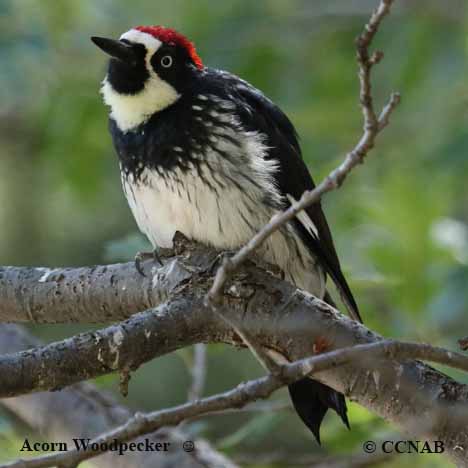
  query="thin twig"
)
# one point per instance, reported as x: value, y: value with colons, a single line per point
x: 242, y: 394
x: 263, y: 358
x: 198, y: 372
x: 373, y: 125
x: 256, y: 407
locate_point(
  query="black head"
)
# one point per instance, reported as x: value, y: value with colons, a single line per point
x: 149, y: 69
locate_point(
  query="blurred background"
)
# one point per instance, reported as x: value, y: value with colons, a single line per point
x: 400, y: 222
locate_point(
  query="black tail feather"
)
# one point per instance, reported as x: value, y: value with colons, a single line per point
x: 311, y: 400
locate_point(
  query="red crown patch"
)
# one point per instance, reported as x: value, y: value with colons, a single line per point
x: 171, y: 36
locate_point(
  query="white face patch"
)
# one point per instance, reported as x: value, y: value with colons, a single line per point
x: 131, y: 110
x: 138, y: 37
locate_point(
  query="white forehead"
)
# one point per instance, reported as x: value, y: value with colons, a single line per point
x: 151, y: 43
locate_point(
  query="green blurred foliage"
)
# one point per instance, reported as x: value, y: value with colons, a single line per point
x: 400, y: 221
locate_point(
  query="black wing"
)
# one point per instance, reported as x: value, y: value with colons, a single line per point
x: 258, y: 113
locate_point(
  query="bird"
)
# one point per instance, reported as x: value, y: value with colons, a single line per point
x: 203, y: 152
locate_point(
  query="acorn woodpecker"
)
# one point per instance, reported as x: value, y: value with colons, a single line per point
x: 205, y: 153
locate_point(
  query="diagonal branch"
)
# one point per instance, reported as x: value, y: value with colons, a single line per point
x: 373, y: 125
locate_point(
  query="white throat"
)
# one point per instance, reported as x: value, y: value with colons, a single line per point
x: 131, y: 110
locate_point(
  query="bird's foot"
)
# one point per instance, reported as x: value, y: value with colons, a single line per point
x: 219, y: 259
x: 142, y: 256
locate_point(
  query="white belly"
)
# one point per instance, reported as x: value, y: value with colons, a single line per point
x: 225, y: 218
x: 182, y: 202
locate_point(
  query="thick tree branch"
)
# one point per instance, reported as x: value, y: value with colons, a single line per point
x: 82, y: 295
x: 97, y: 294
x: 279, y: 317
x: 84, y: 411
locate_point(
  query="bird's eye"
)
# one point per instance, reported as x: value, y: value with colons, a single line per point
x: 166, y: 61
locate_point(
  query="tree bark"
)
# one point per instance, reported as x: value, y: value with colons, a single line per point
x: 414, y: 396
x: 84, y: 411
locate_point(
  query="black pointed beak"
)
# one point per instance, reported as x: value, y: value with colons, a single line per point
x: 117, y: 49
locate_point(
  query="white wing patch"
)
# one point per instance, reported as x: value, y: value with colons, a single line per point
x: 304, y: 218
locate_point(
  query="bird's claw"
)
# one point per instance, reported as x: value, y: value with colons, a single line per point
x: 142, y: 256
x: 219, y: 259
